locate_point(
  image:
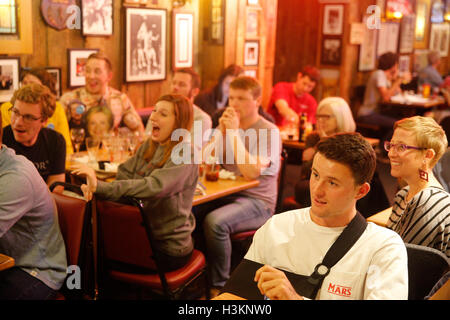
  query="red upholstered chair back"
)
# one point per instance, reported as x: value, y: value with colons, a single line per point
x: 123, y: 235
x: 71, y: 216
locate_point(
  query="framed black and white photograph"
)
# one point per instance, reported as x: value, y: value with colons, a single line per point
x: 333, y: 19
x: 145, y: 46
x: 76, y: 62
x: 251, y: 53
x: 367, y: 49
x: 331, y: 51
x: 55, y: 72
x: 9, y: 77
x: 439, y: 38
x: 97, y: 17
x: 183, y: 39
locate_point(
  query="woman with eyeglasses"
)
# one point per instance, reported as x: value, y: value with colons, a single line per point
x: 421, y: 210
x: 333, y: 115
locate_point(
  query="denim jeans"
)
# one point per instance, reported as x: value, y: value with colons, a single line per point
x: 224, y: 217
x: 16, y: 284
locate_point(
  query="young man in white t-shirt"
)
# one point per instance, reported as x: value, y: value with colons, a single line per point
x: 296, y: 241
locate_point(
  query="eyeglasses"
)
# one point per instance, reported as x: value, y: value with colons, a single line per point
x: 399, y: 148
x: 29, y: 118
x: 324, y: 116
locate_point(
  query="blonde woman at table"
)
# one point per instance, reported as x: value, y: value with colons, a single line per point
x: 333, y: 116
x: 166, y: 188
x: 421, y: 210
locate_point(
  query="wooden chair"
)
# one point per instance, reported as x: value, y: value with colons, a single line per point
x: 73, y: 218
x: 126, y: 252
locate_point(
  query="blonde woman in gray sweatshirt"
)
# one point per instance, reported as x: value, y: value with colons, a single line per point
x: 152, y: 175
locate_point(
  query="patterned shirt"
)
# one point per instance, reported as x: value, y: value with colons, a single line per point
x: 118, y: 102
x: 424, y: 220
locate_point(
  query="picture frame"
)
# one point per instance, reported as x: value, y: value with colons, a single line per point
x: 367, y: 50
x: 76, y: 61
x: 9, y: 77
x: 404, y: 62
x: 407, y: 26
x: 333, y: 19
x: 55, y: 72
x: 422, y: 24
x: 252, y: 23
x: 183, y: 39
x: 439, y: 38
x: 251, y: 73
x: 331, y: 53
x: 145, y: 60
x: 251, y: 53
x: 97, y: 17
x: 388, y: 37
x: 216, y: 34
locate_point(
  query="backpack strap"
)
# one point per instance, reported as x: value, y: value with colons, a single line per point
x: 340, y: 247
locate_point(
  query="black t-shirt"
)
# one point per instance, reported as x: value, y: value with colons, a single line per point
x: 48, y: 154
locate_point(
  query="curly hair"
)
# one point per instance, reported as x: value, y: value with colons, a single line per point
x: 37, y: 94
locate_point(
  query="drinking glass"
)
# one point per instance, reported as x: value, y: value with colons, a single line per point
x: 77, y: 136
x: 92, y: 146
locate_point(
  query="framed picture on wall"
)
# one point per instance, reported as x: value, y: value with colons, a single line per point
x: 251, y: 53
x: 367, y: 50
x: 183, y: 39
x: 388, y: 37
x: 333, y: 19
x: 251, y: 73
x: 331, y: 50
x: 251, y: 23
x: 407, y: 34
x: 439, y: 38
x: 403, y: 64
x: 97, y: 17
x: 55, y: 72
x: 422, y: 24
x: 9, y: 77
x: 145, y: 45
x: 76, y: 61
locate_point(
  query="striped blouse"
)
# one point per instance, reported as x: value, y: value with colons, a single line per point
x: 424, y: 220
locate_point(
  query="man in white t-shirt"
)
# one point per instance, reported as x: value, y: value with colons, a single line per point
x: 296, y: 241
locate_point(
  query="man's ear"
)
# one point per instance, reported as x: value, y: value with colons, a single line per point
x: 363, y: 190
x: 110, y: 76
x: 195, y: 92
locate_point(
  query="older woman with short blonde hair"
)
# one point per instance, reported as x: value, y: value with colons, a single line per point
x: 421, y: 210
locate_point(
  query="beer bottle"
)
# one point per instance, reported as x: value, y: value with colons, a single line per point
x: 302, y: 127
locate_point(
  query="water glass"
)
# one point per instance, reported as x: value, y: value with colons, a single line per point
x: 92, y: 146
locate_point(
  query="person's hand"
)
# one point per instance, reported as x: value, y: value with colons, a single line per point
x: 230, y: 119
x: 406, y: 77
x: 274, y: 284
x: 292, y: 117
x: 91, y: 179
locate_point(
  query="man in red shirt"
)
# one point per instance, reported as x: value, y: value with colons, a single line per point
x: 290, y: 99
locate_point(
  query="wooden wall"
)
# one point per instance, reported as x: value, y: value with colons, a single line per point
x: 50, y: 49
x: 298, y: 42
x: 50, y: 45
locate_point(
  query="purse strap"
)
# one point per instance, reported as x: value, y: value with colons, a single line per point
x: 340, y: 247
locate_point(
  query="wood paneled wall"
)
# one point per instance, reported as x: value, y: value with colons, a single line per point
x: 298, y: 43
x: 50, y: 46
x: 50, y: 49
